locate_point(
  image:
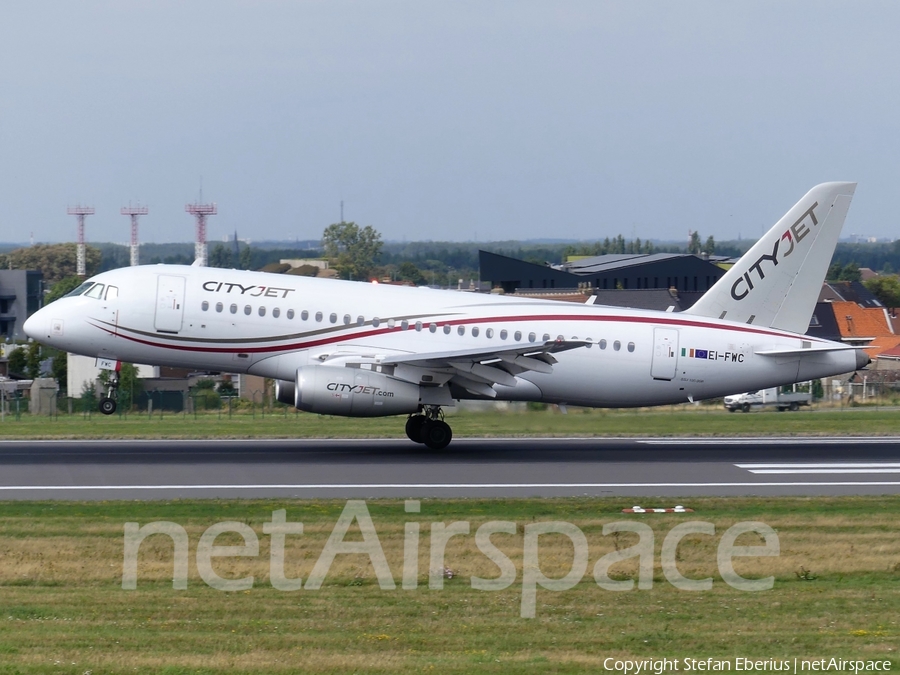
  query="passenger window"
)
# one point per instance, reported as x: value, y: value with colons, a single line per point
x: 461, y: 330
x: 112, y: 292
x: 475, y: 331
x: 247, y: 309
x: 318, y: 316
x: 304, y: 315
x: 219, y: 307
x: 262, y: 311
x: 418, y: 326
x: 602, y: 344
x: 204, y: 305
x: 276, y: 312
x: 547, y: 337
x: 518, y: 336
x: 404, y: 325
x: 333, y: 318
x: 376, y: 322
x: 233, y: 309
x: 489, y: 333
x: 617, y: 345
x: 432, y: 327
x: 532, y: 337
x: 96, y: 291
x: 503, y: 334
x: 290, y: 314
x: 447, y: 329
x: 347, y: 319
x: 391, y: 323
x: 631, y: 346
x: 360, y: 321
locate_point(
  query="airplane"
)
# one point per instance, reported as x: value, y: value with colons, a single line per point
x: 365, y: 350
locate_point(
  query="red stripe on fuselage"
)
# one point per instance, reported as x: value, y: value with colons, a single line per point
x: 455, y: 322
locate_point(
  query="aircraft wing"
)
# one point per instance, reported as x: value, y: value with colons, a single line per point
x: 478, y: 370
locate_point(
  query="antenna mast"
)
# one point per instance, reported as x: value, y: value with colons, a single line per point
x: 200, y: 212
x: 80, y: 258
x: 134, y: 212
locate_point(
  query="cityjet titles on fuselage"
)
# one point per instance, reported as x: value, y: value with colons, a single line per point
x: 796, y: 233
x: 240, y: 289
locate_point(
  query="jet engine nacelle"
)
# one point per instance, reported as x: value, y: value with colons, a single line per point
x: 284, y: 392
x: 353, y: 392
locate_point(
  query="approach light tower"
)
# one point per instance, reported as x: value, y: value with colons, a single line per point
x: 134, y: 212
x: 200, y: 212
x: 80, y: 212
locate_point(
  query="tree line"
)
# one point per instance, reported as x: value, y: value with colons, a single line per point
x: 358, y: 252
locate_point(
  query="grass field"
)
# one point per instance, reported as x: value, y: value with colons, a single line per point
x: 63, y: 609
x: 674, y: 421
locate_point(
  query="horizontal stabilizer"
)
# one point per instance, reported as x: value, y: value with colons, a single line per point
x: 834, y: 347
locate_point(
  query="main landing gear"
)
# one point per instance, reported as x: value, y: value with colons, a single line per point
x: 429, y: 428
x: 108, y: 403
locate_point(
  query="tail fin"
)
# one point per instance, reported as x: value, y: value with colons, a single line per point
x: 777, y: 282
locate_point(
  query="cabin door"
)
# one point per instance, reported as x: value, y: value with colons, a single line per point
x: 169, y: 303
x: 665, y: 354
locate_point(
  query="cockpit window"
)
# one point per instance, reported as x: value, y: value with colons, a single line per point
x: 95, y: 291
x: 112, y: 292
x: 81, y: 289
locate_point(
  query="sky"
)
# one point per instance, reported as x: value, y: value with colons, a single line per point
x: 486, y: 120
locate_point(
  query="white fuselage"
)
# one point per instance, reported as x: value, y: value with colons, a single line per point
x: 271, y: 325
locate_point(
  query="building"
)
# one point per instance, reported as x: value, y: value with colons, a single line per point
x: 848, y: 312
x: 848, y: 291
x: 866, y: 327
x: 637, y: 271
x: 300, y: 262
x: 21, y: 292
x: 83, y: 373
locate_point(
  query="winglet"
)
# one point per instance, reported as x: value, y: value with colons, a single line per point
x: 776, y: 283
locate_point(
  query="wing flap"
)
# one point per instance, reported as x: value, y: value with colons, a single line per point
x: 490, y: 374
x: 530, y: 363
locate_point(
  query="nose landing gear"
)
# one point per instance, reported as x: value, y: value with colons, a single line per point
x: 429, y: 428
x: 108, y: 403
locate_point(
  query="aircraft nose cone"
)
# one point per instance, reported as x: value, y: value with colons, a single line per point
x: 37, y: 326
x: 31, y: 326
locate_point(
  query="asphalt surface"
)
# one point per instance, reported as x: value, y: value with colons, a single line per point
x: 88, y: 470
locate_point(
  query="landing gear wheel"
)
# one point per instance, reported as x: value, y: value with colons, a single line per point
x: 414, y: 427
x: 107, y: 405
x: 436, y: 434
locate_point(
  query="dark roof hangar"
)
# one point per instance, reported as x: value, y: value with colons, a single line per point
x: 638, y: 271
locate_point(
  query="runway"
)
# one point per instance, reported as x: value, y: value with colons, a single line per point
x: 305, y: 468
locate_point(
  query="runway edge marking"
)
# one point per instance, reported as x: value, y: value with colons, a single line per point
x: 467, y: 486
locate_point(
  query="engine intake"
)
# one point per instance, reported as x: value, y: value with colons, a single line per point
x: 352, y: 392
